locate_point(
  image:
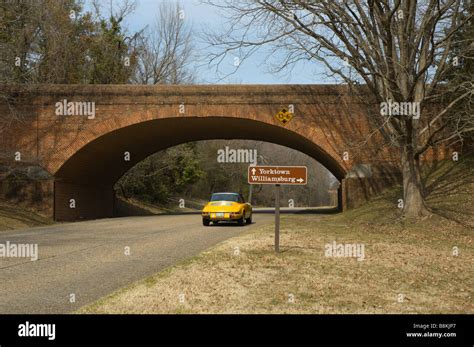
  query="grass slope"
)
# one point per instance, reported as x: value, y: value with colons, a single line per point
x: 424, y: 267
x: 14, y: 217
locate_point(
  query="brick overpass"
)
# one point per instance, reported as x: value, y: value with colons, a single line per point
x: 86, y: 156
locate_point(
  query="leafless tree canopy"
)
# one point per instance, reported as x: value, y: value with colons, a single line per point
x: 60, y: 41
x: 401, y: 50
x: 165, y: 49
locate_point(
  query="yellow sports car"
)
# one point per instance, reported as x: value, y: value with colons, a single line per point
x: 227, y: 207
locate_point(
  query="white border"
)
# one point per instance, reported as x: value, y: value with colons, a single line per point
x: 278, y: 166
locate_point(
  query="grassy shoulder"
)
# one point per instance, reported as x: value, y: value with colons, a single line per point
x: 14, y: 217
x: 408, y: 268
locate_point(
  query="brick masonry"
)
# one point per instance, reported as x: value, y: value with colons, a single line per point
x: 86, y: 156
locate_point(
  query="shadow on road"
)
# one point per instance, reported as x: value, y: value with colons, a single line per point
x: 269, y: 210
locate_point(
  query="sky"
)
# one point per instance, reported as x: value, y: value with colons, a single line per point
x: 201, y: 17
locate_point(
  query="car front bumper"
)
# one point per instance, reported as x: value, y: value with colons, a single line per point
x: 222, y: 216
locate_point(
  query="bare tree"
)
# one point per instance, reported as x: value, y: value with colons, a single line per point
x: 399, y: 50
x: 165, y: 49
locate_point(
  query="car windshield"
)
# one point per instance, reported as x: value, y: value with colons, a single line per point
x: 226, y: 197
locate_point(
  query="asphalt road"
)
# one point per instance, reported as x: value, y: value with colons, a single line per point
x: 88, y: 259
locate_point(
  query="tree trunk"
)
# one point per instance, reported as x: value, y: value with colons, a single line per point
x: 413, y: 197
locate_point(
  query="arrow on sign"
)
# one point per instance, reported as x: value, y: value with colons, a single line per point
x: 300, y: 180
x: 253, y: 171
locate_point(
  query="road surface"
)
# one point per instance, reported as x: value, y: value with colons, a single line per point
x: 87, y: 260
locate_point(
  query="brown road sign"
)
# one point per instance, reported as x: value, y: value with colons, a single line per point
x: 291, y: 175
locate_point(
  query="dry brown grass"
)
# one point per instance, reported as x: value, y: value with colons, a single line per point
x: 401, y: 258
x: 416, y: 262
x: 15, y: 216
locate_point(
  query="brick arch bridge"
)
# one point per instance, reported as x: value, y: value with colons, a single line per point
x: 85, y: 155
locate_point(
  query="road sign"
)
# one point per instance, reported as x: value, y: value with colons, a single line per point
x: 289, y: 175
x: 284, y: 116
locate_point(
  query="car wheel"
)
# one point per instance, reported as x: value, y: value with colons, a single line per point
x: 249, y: 220
x: 241, y: 221
x: 205, y: 222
